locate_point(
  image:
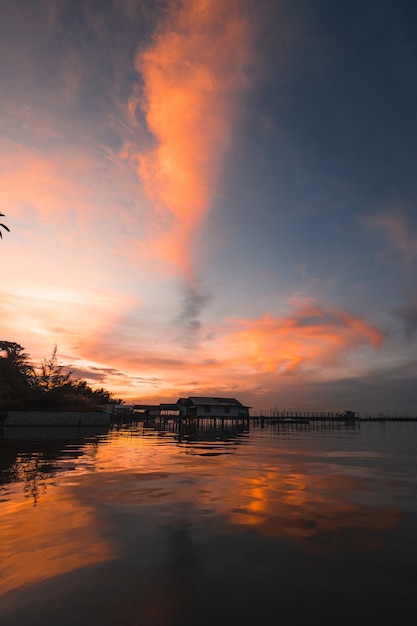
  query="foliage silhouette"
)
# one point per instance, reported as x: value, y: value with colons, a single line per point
x: 48, y: 387
x: 3, y: 226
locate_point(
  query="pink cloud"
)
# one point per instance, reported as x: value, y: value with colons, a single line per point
x: 239, y: 354
x: 192, y: 72
x: 311, y: 335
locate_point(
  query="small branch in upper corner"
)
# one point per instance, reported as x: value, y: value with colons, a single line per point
x: 3, y: 226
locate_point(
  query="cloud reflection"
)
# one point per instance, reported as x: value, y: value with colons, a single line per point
x: 40, y: 543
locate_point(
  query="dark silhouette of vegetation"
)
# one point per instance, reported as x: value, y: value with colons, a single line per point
x: 49, y: 387
x: 52, y: 375
x: 3, y: 226
x: 17, y: 375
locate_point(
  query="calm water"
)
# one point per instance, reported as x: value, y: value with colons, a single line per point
x: 282, y: 524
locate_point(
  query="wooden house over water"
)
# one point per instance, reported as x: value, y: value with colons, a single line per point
x: 197, y: 406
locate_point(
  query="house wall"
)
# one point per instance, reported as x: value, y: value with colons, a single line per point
x: 218, y: 411
x: 154, y: 412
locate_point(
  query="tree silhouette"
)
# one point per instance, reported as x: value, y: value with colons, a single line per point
x: 52, y: 375
x: 16, y: 371
x: 3, y: 226
x: 48, y: 387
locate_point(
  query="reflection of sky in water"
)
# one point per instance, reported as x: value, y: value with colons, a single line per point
x: 148, y: 527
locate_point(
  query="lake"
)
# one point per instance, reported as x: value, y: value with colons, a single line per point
x: 161, y: 526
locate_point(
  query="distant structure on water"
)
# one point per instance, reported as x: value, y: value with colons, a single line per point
x: 201, y: 407
x: 195, y: 406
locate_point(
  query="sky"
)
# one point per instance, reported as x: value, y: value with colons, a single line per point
x: 210, y: 198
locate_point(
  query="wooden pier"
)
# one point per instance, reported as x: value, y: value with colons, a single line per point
x: 307, y: 416
x: 168, y: 417
x: 284, y: 417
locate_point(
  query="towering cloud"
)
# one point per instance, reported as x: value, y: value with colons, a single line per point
x: 192, y: 73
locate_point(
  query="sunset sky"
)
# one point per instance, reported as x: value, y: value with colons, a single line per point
x: 214, y: 197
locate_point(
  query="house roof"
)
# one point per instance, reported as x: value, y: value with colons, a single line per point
x: 202, y: 401
x: 191, y: 401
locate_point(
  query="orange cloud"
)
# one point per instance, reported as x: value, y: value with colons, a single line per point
x: 248, y: 355
x: 192, y: 72
x: 66, y: 185
x: 38, y: 316
x: 311, y: 335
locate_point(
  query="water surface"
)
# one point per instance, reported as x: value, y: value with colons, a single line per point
x: 149, y: 526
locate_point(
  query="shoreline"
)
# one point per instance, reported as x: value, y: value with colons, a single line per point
x: 54, y: 418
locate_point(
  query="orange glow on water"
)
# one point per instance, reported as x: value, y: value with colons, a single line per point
x: 308, y: 509
x: 38, y: 543
x: 155, y: 482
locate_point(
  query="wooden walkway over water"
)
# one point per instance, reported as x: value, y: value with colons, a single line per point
x: 287, y: 417
x: 309, y: 415
x: 284, y: 417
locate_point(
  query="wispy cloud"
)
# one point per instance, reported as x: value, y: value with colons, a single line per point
x: 408, y: 315
x: 192, y: 72
x: 188, y: 322
x: 401, y: 235
x: 45, y: 316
